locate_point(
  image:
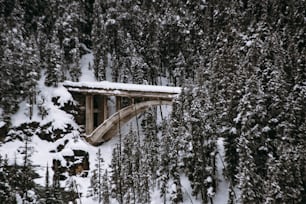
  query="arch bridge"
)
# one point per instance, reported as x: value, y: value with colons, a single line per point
x: 129, y: 100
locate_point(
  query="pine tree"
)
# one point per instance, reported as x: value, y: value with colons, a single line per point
x: 56, y: 187
x: 48, y: 196
x: 11, y: 65
x: 200, y: 151
x: 47, y: 185
x: 179, y: 70
x: 6, y: 191
x: 117, y: 181
x: 96, y: 179
x: 67, y: 25
x: 71, y: 189
x: 105, y: 188
x: 144, y: 181
x: 129, y: 166
x: 164, y: 171
x: 176, y: 193
x: 150, y: 143
x: 31, y: 67
x: 99, y: 41
x: 54, y: 62
x: 249, y: 173
x: 27, y: 174
x: 248, y: 177
x: 175, y: 152
x: 43, y: 110
x: 284, y: 184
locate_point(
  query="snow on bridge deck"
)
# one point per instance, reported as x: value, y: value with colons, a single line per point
x: 122, y: 89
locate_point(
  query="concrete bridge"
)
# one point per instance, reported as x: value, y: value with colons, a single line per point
x: 129, y: 100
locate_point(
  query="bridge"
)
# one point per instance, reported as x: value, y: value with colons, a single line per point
x: 129, y: 100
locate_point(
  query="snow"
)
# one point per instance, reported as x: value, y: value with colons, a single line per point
x: 59, y: 157
x: 187, y: 191
x: 2, y: 124
x: 78, y: 145
x: 59, y: 118
x: 106, y: 85
x: 110, y: 22
x: 86, y: 63
x: 222, y: 189
x: 20, y: 117
x: 233, y: 130
x: 209, y: 179
x: 210, y: 192
x: 46, y: 151
x: 266, y: 129
x: 249, y: 43
x: 63, y: 94
x: 67, y: 152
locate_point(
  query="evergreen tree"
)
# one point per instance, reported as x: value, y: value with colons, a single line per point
x: 27, y: 174
x: 164, y: 170
x: 284, y: 184
x: 175, y: 151
x: 47, y: 185
x: 250, y: 146
x: 96, y: 179
x: 199, y: 159
x: 54, y: 62
x: 72, y: 190
x: 150, y: 143
x: 179, y: 70
x: 130, y: 166
x: 56, y: 187
x: 248, y: 178
x: 68, y: 25
x: 117, y: 181
x: 105, y: 188
x: 6, y: 191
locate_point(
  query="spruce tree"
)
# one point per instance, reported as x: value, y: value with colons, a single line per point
x: 150, y: 143
x: 130, y: 166
x: 56, y: 187
x: 105, y: 188
x: 117, y: 181
x: 285, y: 182
x: 6, y: 191
x: 27, y: 174
x: 54, y: 61
x: 47, y: 185
x: 164, y: 170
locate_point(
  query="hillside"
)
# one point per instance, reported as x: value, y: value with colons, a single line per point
x: 235, y: 134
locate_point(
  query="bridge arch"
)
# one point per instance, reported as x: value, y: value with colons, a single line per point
x: 94, y: 108
x: 109, y: 127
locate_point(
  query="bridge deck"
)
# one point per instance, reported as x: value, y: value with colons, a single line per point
x: 121, y: 89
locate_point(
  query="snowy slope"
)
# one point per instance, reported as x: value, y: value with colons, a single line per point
x: 44, y: 153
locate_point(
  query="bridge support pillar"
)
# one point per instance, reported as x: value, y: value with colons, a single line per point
x: 118, y: 103
x: 103, y: 114
x: 89, y: 114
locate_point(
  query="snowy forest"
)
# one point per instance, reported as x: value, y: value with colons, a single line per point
x: 242, y: 68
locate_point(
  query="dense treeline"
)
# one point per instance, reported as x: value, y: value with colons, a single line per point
x: 242, y: 64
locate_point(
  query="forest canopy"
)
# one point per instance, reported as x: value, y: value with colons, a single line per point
x: 240, y: 62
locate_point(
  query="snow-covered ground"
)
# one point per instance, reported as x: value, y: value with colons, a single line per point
x: 222, y: 189
x: 44, y: 150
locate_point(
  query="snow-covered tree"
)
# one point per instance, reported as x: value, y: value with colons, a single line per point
x: 6, y: 191
x: 105, y: 188
x: 164, y: 170
x: 151, y: 143
x: 96, y: 179
x: 117, y: 180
